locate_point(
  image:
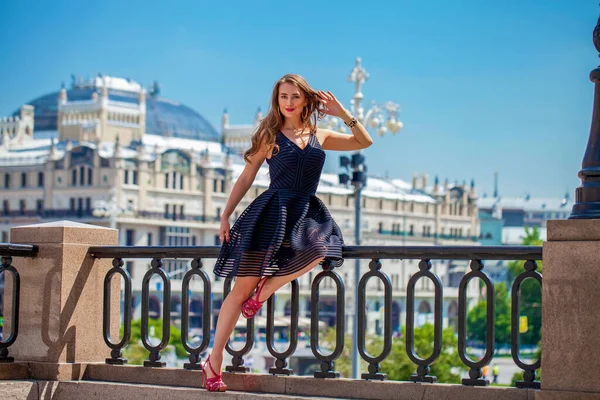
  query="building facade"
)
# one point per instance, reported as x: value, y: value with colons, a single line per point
x: 109, y: 152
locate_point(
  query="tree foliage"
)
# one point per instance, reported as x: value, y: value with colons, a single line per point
x: 136, y: 353
x: 476, y: 318
x: 531, y: 291
x: 531, y: 297
x: 397, y: 365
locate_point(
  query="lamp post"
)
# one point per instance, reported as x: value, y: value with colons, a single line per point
x: 108, y: 209
x: 587, y: 196
x: 373, y: 118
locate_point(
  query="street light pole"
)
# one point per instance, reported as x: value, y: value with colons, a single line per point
x: 373, y: 118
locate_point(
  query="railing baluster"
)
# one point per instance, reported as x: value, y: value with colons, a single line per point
x: 194, y: 352
x: 5, y: 343
x: 374, y: 367
x: 423, y: 368
x: 238, y: 355
x: 116, y: 355
x: 475, y: 374
x: 327, y: 361
x: 154, y: 359
x: 529, y: 369
x: 281, y: 362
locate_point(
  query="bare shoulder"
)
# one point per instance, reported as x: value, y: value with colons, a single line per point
x: 322, y: 134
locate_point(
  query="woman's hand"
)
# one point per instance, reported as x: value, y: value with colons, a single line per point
x: 332, y: 105
x: 224, y: 230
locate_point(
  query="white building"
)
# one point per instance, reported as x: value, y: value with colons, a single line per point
x: 109, y: 152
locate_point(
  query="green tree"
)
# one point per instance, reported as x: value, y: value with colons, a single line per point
x: 136, y: 353
x: 531, y: 291
x: 397, y: 365
x: 476, y: 318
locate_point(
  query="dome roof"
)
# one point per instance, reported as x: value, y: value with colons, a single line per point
x: 163, y: 116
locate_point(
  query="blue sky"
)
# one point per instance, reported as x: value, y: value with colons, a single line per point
x: 484, y: 86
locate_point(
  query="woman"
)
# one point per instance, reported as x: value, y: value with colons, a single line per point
x: 286, y: 231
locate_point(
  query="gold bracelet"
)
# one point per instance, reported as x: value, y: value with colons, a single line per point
x: 352, y: 123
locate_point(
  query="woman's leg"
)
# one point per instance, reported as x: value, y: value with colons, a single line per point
x: 276, y: 282
x: 228, y: 317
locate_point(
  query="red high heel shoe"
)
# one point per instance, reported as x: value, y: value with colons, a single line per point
x: 214, y: 384
x: 251, y: 306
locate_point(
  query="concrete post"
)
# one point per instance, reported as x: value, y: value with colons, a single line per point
x: 60, y: 321
x: 570, y: 316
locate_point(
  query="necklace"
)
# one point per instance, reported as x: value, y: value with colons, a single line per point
x: 298, y: 133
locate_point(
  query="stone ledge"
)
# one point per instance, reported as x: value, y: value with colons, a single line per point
x: 573, y: 230
x: 565, y: 395
x: 14, y: 371
x: 304, y: 386
x: 19, y: 390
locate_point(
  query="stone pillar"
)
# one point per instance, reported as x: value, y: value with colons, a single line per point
x: 60, y: 319
x: 570, y: 316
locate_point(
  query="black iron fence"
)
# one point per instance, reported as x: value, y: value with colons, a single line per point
x: 475, y: 254
x: 7, y: 252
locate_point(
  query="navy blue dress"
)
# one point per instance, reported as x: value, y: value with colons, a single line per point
x: 287, y: 227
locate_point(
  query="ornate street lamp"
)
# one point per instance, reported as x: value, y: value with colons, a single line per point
x: 374, y: 119
x: 103, y: 209
x: 587, y: 196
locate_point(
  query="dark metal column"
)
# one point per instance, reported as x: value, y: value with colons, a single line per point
x: 587, y: 196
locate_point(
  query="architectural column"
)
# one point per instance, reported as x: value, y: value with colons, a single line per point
x: 62, y: 288
x: 570, y: 340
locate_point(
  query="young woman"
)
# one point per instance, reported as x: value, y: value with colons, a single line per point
x: 286, y: 231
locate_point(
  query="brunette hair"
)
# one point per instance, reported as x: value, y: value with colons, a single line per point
x: 272, y: 123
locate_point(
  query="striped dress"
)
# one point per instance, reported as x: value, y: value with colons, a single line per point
x: 287, y: 227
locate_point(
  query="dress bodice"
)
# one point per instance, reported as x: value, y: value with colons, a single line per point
x: 294, y: 168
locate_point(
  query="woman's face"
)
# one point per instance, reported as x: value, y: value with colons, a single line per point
x: 291, y: 100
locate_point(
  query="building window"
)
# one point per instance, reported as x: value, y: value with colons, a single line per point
x: 7, y: 181
x: 74, y: 177
x: 166, y: 181
x: 219, y: 212
x: 411, y: 230
x: 22, y: 207
x: 79, y: 206
x: 5, y: 207
x: 223, y: 186
x: 149, y: 239
x: 134, y: 177
x: 129, y: 237
x: 215, y: 182
x: 181, y: 211
x: 194, y: 240
x: 166, y: 211
x: 181, y: 182
x: 178, y: 236
x: 381, y: 227
x: 126, y: 177
x: 39, y: 206
x: 174, y: 180
x: 4, y: 237
x: 90, y: 175
x: 88, y: 205
x: 129, y: 267
x: 72, y: 204
x: 217, y: 240
x: 40, y: 179
x: 82, y: 176
x: 23, y: 179
x: 162, y: 235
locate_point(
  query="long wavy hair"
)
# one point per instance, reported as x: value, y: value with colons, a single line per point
x: 272, y: 123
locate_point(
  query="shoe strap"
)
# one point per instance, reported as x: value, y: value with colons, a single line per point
x: 211, y: 367
x: 260, y: 288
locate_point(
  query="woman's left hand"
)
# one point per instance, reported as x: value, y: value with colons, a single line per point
x: 332, y: 105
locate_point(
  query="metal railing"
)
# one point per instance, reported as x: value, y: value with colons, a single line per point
x: 7, y: 252
x: 475, y: 254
